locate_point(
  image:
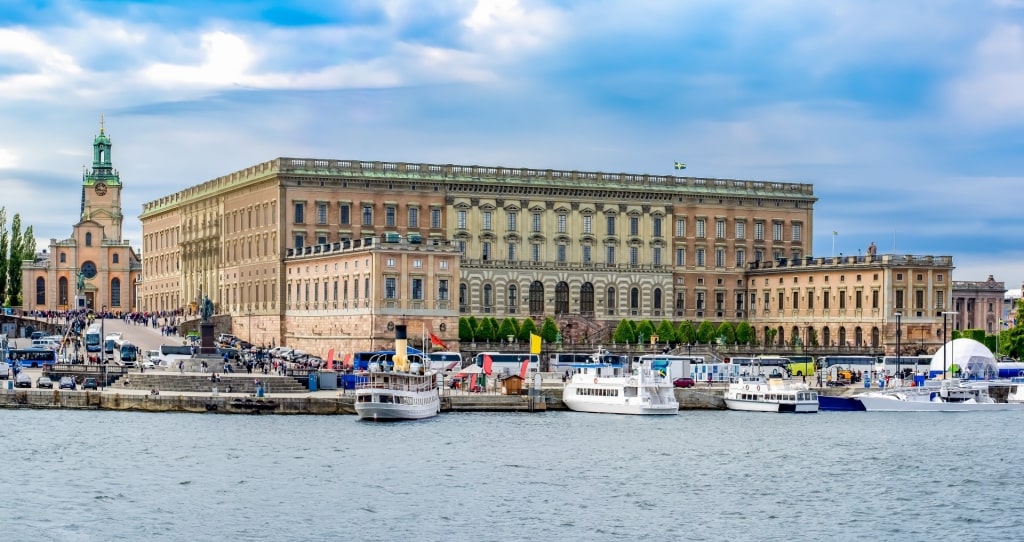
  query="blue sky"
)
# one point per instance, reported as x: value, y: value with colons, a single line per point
x: 908, y: 117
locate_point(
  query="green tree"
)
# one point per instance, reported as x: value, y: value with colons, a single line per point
x: 623, y: 333
x: 23, y: 247
x: 812, y: 337
x: 644, y: 330
x: 486, y: 331
x: 507, y: 328
x: 686, y: 333
x: 473, y: 326
x: 465, y: 330
x: 548, y: 330
x: 666, y: 333
x: 743, y: 332
x: 705, y: 332
x: 528, y: 328
x: 726, y: 333
x: 769, y: 336
x: 4, y: 245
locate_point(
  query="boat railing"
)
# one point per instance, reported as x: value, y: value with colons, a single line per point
x: 425, y: 386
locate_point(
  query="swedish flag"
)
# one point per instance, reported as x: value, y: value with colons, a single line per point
x: 680, y: 165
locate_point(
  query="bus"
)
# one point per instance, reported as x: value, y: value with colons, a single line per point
x: 32, y: 357
x: 563, y: 361
x: 913, y: 364
x: 508, y: 363
x: 847, y: 367
x: 445, y: 361
x: 92, y: 339
x: 801, y: 365
x: 127, y: 353
x: 110, y: 345
x: 672, y: 367
x: 361, y: 360
x: 762, y: 365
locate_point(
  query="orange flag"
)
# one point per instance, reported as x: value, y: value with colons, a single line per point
x: 487, y: 364
x: 348, y: 360
x: 524, y: 368
x: 330, y: 360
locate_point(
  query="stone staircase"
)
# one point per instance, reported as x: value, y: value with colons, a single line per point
x: 200, y: 383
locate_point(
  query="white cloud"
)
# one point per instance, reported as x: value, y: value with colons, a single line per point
x: 7, y: 159
x: 507, y: 27
x: 988, y: 93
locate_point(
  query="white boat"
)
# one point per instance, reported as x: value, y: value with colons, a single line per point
x: 1016, y: 392
x: 758, y: 394
x: 404, y: 389
x: 619, y: 388
x: 941, y: 395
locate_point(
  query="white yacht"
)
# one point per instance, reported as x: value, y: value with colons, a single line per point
x: 404, y: 389
x: 618, y: 388
x: 758, y: 394
x: 937, y: 395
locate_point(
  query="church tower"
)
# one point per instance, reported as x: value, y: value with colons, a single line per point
x: 101, y: 189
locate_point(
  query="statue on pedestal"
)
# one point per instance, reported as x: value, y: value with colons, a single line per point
x: 206, y: 311
x: 81, y: 282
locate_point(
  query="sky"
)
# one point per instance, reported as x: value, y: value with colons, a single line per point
x: 906, y: 116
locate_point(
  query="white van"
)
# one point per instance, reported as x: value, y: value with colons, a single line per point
x: 45, y: 343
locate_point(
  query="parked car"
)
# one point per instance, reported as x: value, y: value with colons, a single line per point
x: 684, y: 382
x: 23, y: 380
x: 44, y: 382
x: 67, y: 383
x: 90, y: 383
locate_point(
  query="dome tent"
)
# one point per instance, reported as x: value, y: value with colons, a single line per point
x: 972, y: 357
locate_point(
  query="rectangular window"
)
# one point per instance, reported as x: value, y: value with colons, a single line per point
x: 740, y: 257
x: 486, y: 250
x: 320, y: 240
x: 345, y: 216
x: 759, y: 231
x: 656, y: 255
x: 719, y: 257
x: 389, y: 262
x: 367, y: 215
x: 300, y: 213
x: 919, y: 299
x: 609, y: 255
x: 435, y: 218
x: 586, y: 253
x: 390, y: 291
x: 656, y: 227
x: 680, y: 257
x: 634, y: 225
x: 680, y: 227
x: 796, y: 231
x: 758, y: 255
x: 561, y: 223
x: 389, y: 216
x: 634, y: 256
x: 701, y: 228
x: 513, y: 218
x: 535, y: 252
x: 899, y: 299
x: 417, y: 289
x: 610, y: 225
x: 462, y: 247
x: 810, y: 300
x: 776, y: 231
x: 486, y: 217
x: 781, y: 299
x: 700, y: 300
x: 442, y: 289
x: 719, y: 301
x: 739, y: 301
x: 511, y: 252
x: 826, y: 298
x: 741, y: 229
x: 858, y: 302
x: 321, y: 213
x: 939, y: 297
x: 417, y: 264
x: 700, y: 257
x: 299, y: 241
x: 561, y: 253
x: 588, y: 224
x: 460, y: 219
x: 414, y: 217
x: 535, y: 222
x: 842, y: 299
x: 720, y: 229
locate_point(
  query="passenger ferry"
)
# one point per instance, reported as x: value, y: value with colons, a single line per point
x: 404, y: 389
x: 770, y: 395
x: 619, y: 388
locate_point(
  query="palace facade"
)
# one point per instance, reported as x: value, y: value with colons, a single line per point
x: 94, y: 268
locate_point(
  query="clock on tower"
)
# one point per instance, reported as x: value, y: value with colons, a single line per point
x: 101, y: 189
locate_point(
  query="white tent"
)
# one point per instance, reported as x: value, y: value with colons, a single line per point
x: 969, y: 355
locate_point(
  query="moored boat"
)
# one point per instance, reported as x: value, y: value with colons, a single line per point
x: 770, y: 395
x: 832, y: 403
x: 404, y: 389
x: 937, y: 395
x: 619, y: 388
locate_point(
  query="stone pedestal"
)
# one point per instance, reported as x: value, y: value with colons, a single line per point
x: 206, y: 344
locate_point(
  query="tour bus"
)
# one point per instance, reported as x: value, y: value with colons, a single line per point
x: 673, y: 367
x: 110, y: 345
x: 762, y: 365
x: 361, y: 360
x: 563, y: 361
x: 170, y: 354
x: 508, y: 363
x: 801, y: 365
x: 915, y: 364
x: 92, y: 339
x: 445, y: 361
x: 127, y: 353
x: 835, y: 366
x: 32, y: 357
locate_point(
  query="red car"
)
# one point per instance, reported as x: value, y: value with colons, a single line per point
x: 684, y: 382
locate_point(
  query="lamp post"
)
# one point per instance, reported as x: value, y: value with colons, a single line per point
x: 103, y: 347
x: 945, y: 339
x: 899, y: 332
x: 248, y: 325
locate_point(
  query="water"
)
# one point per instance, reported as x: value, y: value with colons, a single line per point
x: 88, y: 475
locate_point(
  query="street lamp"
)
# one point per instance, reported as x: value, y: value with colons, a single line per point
x: 945, y: 339
x: 899, y: 332
x: 248, y: 325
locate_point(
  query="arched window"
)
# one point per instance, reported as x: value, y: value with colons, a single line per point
x: 88, y: 239
x: 62, y: 290
x: 488, y: 297
x: 826, y: 337
x: 842, y: 337
x: 657, y: 301
x: 536, y: 297
x: 587, y: 299
x: 634, y: 301
x: 117, y: 257
x: 63, y: 257
x: 513, y: 298
x: 561, y: 298
x: 611, y: 300
x: 858, y: 336
x: 115, y: 292
x: 463, y: 290
x: 40, y: 291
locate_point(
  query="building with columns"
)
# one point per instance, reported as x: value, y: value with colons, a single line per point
x: 979, y: 305
x: 94, y: 268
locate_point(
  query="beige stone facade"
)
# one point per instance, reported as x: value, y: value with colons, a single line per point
x: 978, y: 305
x: 95, y: 254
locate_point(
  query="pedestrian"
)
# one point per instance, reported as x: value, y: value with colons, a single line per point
x: 181, y: 366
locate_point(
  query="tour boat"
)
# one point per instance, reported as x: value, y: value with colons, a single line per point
x: 618, y: 388
x: 937, y: 395
x: 402, y: 389
x: 758, y: 394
